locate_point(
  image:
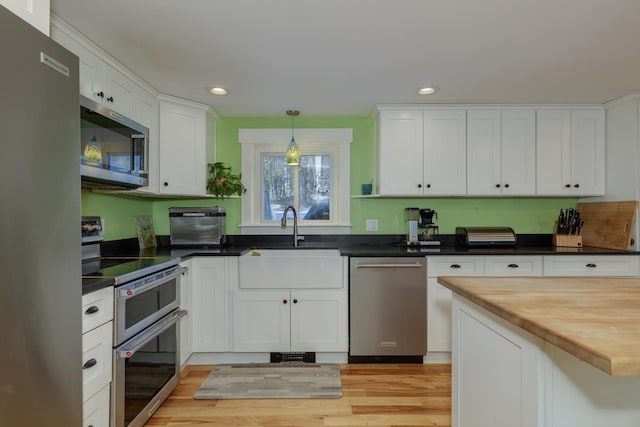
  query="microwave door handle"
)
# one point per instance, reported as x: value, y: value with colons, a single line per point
x: 129, y: 348
x: 132, y: 156
x: 139, y: 146
x: 129, y: 290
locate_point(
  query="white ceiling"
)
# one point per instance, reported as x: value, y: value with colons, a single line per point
x: 342, y: 57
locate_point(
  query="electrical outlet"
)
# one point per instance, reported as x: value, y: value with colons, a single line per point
x: 371, y: 225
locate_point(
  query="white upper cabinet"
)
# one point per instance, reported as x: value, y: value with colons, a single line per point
x: 501, y: 152
x: 445, y: 151
x: 187, y: 144
x: 34, y: 12
x: 570, y: 152
x: 104, y: 81
x: 421, y: 152
x: 400, y: 148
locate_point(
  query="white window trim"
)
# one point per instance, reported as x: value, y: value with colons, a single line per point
x: 256, y: 141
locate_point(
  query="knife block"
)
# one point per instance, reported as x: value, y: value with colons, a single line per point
x: 567, y: 240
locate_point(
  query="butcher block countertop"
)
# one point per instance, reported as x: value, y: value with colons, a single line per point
x: 595, y: 319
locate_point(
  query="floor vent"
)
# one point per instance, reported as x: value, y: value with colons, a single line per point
x: 304, y: 357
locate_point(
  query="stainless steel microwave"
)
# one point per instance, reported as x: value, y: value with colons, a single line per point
x: 113, y: 148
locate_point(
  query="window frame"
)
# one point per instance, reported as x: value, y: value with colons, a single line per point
x: 335, y: 142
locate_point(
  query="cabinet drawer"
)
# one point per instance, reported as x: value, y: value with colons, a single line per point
x: 95, y: 411
x: 622, y: 266
x: 97, y: 308
x: 455, y: 266
x: 513, y: 266
x: 97, y: 351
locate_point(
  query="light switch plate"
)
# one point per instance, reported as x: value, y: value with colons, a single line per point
x: 371, y: 225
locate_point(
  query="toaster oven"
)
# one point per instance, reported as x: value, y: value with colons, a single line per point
x: 197, y: 226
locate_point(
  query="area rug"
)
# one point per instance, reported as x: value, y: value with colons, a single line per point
x: 272, y: 381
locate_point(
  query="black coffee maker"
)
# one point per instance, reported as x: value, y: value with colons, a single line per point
x: 429, y: 229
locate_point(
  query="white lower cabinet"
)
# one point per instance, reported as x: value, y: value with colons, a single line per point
x: 503, y: 376
x: 439, y: 297
x: 97, y: 355
x: 212, y: 281
x: 95, y: 410
x: 578, y: 265
x: 282, y: 321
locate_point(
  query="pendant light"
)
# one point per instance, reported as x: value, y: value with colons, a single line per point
x: 293, y: 152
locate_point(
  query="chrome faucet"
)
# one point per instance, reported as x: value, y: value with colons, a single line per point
x: 283, y: 222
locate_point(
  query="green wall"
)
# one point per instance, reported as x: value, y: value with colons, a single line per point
x: 525, y: 215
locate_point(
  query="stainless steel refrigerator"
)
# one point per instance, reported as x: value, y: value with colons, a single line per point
x: 40, y: 262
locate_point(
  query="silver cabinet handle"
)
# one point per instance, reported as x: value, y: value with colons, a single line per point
x: 129, y: 348
x: 416, y: 265
x: 146, y: 283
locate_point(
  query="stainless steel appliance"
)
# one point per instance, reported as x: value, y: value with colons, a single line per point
x: 387, y: 308
x: 485, y: 236
x: 113, y: 148
x: 146, y: 365
x: 40, y: 297
x: 197, y: 226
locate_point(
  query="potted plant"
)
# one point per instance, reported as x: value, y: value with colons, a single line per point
x: 222, y: 182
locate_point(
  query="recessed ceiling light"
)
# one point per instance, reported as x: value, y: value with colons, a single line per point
x: 428, y: 90
x: 217, y: 90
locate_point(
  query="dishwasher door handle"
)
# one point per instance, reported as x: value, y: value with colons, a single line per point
x: 416, y: 265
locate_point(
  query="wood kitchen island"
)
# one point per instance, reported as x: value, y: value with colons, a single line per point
x: 554, y: 352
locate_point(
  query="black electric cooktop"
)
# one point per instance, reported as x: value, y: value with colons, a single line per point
x: 107, y: 271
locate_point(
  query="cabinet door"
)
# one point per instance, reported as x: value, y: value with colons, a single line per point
x: 261, y: 321
x: 95, y: 411
x: 587, y: 152
x: 97, y: 349
x: 118, y: 91
x: 518, y: 153
x: 570, y: 152
x: 528, y: 265
x: 210, y: 304
x: 91, y: 68
x: 484, y: 158
x: 438, y: 316
x: 319, y: 321
x: 614, y: 265
x: 553, y: 152
x: 182, y: 149
x: 445, y: 152
x: 400, y: 152
x: 35, y: 12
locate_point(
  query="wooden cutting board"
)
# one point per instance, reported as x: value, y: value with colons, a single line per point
x: 608, y: 224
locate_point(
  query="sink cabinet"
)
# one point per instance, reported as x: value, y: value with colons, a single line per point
x: 284, y: 320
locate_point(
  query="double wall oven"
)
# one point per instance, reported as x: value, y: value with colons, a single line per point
x: 146, y: 366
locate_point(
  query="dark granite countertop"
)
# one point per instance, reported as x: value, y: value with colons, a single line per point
x: 348, y: 245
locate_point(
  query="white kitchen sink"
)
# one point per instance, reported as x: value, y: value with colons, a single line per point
x: 290, y: 268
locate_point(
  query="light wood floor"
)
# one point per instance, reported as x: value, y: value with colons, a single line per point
x: 380, y: 395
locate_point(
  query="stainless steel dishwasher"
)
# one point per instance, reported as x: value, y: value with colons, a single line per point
x: 387, y: 309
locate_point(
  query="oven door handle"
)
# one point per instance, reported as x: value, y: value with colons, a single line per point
x: 129, y: 348
x: 142, y: 285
